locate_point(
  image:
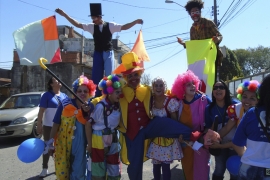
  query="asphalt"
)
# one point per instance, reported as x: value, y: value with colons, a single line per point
x: 11, y: 168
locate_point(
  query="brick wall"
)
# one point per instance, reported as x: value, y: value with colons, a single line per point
x: 72, y: 57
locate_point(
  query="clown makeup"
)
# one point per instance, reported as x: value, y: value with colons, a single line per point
x: 83, y: 92
x: 134, y: 79
x: 159, y: 87
x: 219, y: 91
x: 195, y: 14
x: 249, y: 99
x: 190, y: 89
x: 115, y: 96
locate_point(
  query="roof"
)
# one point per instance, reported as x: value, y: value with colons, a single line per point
x: 28, y: 93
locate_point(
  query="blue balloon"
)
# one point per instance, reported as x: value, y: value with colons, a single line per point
x: 233, y: 164
x: 30, y: 150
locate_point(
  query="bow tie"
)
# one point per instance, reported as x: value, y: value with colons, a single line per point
x: 139, y: 93
x: 71, y: 110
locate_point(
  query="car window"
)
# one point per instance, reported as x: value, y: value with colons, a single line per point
x: 22, y: 101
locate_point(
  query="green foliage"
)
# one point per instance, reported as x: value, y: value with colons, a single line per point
x: 230, y: 67
x: 253, y: 60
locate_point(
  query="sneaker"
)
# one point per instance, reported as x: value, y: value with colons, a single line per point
x: 44, y: 173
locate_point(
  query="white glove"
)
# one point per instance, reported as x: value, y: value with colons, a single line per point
x: 48, y: 146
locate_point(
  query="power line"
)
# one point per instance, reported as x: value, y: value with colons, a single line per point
x: 226, y: 11
x: 6, y: 62
x: 156, y: 25
x: 142, y: 6
x: 50, y: 10
x: 165, y: 59
x: 241, y: 10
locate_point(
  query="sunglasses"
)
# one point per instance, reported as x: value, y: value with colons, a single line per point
x: 219, y: 87
x: 85, y: 91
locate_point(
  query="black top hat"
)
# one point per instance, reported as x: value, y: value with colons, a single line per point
x: 95, y: 9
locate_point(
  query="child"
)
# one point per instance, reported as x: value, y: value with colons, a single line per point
x: 163, y: 150
x: 103, y: 141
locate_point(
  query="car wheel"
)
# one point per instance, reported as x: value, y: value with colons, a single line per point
x: 34, y: 133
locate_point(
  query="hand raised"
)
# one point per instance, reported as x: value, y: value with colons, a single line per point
x: 60, y: 11
x: 216, y: 38
x: 180, y: 41
x: 139, y: 21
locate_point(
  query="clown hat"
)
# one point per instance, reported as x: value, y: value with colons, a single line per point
x: 95, y: 9
x: 130, y: 63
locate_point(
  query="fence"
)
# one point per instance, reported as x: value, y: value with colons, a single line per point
x: 233, y: 84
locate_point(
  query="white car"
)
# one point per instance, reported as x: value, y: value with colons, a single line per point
x: 18, y: 115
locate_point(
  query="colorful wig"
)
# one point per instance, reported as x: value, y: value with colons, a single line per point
x: 108, y: 84
x: 83, y: 80
x: 252, y: 86
x: 178, y: 87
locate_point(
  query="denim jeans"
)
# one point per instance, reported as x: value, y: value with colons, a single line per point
x: 220, y: 166
x: 248, y: 172
x: 102, y: 61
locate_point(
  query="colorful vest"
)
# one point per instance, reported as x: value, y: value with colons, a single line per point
x: 143, y: 94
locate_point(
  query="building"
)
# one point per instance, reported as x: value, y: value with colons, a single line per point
x: 76, y: 54
x: 5, y: 83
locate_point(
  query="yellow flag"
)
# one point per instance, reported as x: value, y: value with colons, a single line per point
x: 201, y: 55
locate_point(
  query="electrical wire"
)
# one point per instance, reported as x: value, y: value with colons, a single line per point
x: 164, y: 60
x: 51, y: 10
x: 155, y: 25
x: 141, y: 6
x: 240, y: 11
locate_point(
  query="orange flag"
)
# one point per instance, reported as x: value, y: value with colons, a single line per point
x: 139, y: 48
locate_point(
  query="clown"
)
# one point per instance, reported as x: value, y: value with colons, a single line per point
x: 202, y: 28
x: 163, y: 151
x: 102, y: 31
x: 103, y: 141
x: 69, y: 131
x: 136, y: 124
x: 191, y: 113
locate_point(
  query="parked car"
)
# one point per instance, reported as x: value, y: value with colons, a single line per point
x: 18, y: 115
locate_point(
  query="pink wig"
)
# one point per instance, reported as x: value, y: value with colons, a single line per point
x: 178, y: 87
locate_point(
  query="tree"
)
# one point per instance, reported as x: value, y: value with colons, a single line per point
x: 230, y: 67
x: 253, y: 60
x: 146, y: 79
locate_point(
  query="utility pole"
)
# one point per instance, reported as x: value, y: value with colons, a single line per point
x: 217, y: 24
x: 215, y: 13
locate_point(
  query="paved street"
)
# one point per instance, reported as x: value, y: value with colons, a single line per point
x: 11, y: 168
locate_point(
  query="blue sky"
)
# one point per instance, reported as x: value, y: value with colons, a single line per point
x: 249, y: 28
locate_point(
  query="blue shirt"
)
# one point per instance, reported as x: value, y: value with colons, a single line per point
x: 250, y: 133
x: 216, y: 110
x: 50, y: 102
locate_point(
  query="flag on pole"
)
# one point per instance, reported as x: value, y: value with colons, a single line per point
x: 139, y: 50
x: 201, y: 55
x: 36, y: 40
